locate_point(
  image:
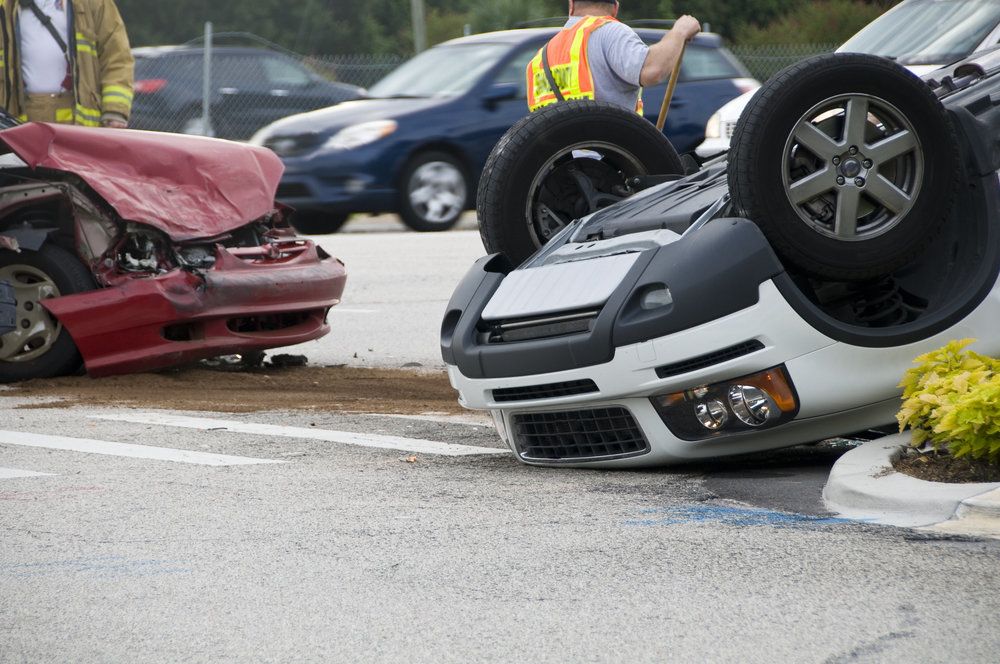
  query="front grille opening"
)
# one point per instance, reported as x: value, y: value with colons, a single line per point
x: 539, y: 327
x: 183, y: 332
x: 268, y: 323
x: 709, y: 359
x: 598, y: 433
x: 548, y: 391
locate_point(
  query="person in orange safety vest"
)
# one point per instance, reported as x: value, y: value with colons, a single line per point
x: 597, y: 57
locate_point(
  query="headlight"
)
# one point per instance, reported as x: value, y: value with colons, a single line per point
x: 713, y: 129
x: 360, y: 134
x: 758, y: 401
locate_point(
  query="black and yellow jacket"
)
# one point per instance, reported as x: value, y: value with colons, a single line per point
x: 100, y: 56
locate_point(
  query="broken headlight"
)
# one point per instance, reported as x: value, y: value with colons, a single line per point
x: 758, y: 401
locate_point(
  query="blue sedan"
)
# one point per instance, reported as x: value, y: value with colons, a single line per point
x: 417, y: 144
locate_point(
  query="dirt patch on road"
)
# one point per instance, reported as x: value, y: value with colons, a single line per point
x: 298, y: 388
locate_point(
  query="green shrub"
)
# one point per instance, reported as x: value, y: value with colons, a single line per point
x: 951, y: 399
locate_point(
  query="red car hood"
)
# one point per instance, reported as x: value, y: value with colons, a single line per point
x: 187, y: 186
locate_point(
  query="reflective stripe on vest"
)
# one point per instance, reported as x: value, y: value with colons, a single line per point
x: 567, y: 55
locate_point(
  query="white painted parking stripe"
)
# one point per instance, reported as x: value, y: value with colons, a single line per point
x: 11, y: 473
x: 344, y: 437
x: 125, y: 449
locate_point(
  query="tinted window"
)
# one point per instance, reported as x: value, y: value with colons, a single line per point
x: 705, y: 63
x: 236, y: 70
x: 442, y: 71
x: 171, y: 67
x: 514, y: 71
x: 284, y: 73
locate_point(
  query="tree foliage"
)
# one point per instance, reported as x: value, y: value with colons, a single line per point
x: 329, y: 27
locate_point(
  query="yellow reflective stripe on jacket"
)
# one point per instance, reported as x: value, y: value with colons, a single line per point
x: 89, y: 117
x: 64, y: 115
x: 84, y: 45
x: 117, y: 94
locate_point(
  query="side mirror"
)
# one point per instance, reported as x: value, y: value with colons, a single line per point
x: 500, y: 92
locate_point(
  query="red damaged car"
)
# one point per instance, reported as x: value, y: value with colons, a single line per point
x: 134, y: 251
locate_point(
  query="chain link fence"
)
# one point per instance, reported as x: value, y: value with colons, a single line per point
x: 767, y: 60
x: 254, y: 82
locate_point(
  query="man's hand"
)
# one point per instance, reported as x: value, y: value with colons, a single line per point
x: 686, y: 27
x: 663, y: 54
x: 114, y: 124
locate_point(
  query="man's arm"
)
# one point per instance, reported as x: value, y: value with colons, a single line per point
x: 117, y: 66
x: 663, y: 54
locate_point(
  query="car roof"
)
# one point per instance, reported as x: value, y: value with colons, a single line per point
x: 186, y: 49
x: 522, y: 35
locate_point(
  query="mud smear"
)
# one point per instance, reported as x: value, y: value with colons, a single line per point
x: 297, y: 388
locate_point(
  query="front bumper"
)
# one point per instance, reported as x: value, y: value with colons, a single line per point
x: 349, y: 181
x: 244, y: 303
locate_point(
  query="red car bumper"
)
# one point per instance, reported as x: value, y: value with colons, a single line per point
x: 247, y: 301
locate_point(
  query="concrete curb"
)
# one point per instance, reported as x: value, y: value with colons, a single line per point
x: 863, y: 486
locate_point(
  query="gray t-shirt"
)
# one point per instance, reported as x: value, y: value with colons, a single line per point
x: 616, y: 55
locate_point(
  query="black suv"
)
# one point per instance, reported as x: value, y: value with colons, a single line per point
x: 251, y: 87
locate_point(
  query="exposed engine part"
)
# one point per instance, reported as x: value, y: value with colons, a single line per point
x: 197, y: 256
x: 141, y: 251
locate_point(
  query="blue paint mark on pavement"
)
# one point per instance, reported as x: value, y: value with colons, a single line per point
x: 101, y: 566
x: 730, y: 516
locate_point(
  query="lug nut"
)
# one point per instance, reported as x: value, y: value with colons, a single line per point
x: 867, y: 163
x: 859, y: 181
x: 25, y: 323
x: 840, y: 179
x: 853, y: 150
x: 29, y: 306
x: 836, y: 161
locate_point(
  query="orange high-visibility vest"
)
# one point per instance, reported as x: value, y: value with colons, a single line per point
x: 567, y: 55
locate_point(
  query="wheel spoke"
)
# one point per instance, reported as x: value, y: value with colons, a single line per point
x: 848, y: 201
x: 895, y: 146
x: 811, y: 186
x: 855, y: 121
x: 886, y: 193
x: 813, y: 139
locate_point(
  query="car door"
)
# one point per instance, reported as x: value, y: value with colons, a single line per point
x: 498, y: 115
x: 241, y: 104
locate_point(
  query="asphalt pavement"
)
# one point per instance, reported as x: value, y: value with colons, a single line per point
x: 314, y: 536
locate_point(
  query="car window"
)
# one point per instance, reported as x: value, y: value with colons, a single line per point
x: 171, y: 67
x: 513, y: 71
x: 237, y: 70
x: 442, y: 71
x: 285, y: 73
x: 932, y: 32
x: 706, y: 63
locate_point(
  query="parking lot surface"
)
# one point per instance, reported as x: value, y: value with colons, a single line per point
x: 309, y: 532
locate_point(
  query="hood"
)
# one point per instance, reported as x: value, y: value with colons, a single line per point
x: 188, y: 187
x: 344, y: 114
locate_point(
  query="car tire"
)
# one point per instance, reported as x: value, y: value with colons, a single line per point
x: 848, y: 163
x: 533, y: 182
x: 434, y: 192
x: 318, y: 222
x: 40, y: 347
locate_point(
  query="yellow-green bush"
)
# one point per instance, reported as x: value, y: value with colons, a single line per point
x: 951, y: 399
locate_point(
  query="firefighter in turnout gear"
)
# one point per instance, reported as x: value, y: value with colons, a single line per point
x: 65, y: 61
x: 596, y: 57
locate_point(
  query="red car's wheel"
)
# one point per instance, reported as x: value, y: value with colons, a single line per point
x: 39, y: 346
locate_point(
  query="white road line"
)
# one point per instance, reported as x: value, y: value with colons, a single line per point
x: 125, y: 449
x: 344, y: 437
x: 11, y: 473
